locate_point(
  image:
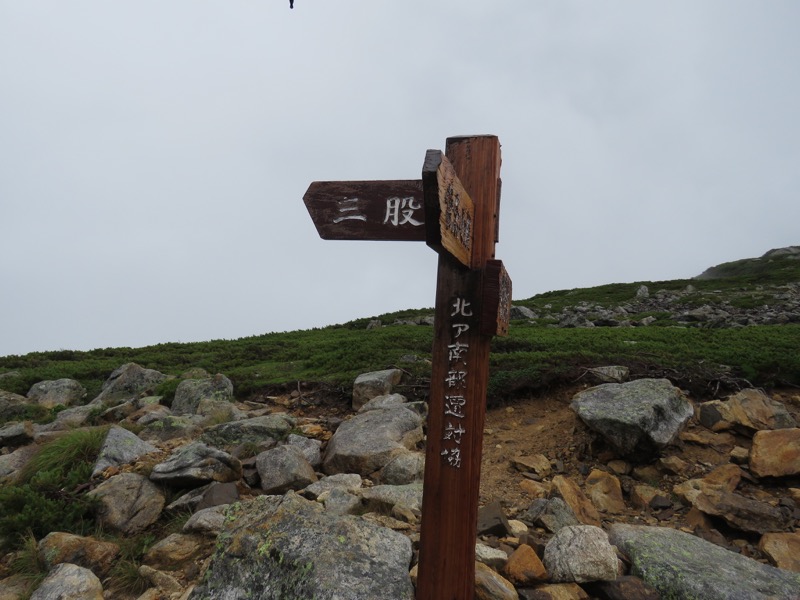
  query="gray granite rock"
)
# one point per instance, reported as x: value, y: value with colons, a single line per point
x: 197, y: 464
x: 119, y: 448
x: 368, y: 441
x: 680, y: 565
x: 288, y: 547
x: 638, y: 418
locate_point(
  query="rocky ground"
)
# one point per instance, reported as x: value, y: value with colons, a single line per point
x: 727, y: 479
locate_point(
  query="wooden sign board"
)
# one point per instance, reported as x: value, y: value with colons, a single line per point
x: 449, y: 210
x: 496, y: 299
x: 473, y: 303
x: 367, y: 210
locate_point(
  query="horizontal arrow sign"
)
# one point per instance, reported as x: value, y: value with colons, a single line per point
x: 367, y: 210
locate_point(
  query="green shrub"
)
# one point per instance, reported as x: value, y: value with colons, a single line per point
x: 28, y: 563
x: 166, y: 389
x: 125, y: 576
x: 45, y: 497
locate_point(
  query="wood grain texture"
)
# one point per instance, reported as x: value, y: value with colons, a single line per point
x: 367, y: 210
x: 496, y: 296
x: 449, y: 210
x: 450, y: 497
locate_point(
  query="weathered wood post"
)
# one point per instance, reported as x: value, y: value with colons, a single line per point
x: 455, y: 210
x: 459, y: 378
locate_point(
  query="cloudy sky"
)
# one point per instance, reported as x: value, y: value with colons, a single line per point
x: 154, y: 155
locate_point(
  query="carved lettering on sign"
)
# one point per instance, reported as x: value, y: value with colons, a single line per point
x: 457, y: 219
x: 367, y: 210
x: 348, y: 209
x: 455, y: 382
x: 400, y: 211
x: 449, y: 210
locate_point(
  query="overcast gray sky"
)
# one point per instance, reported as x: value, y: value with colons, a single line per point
x: 154, y: 155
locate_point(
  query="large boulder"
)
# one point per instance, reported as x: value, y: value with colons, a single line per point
x: 196, y: 464
x: 11, y: 405
x: 748, y: 411
x: 368, y: 441
x: 680, y: 565
x: 256, y: 430
x: 404, y: 468
x: 169, y: 427
x: 16, y: 434
x: 639, y: 418
x: 284, y: 468
x: 128, y: 382
x: 14, y: 461
x: 119, y: 448
x: 58, y: 547
x: 384, y: 498
x: 69, y: 582
x: 371, y: 385
x: 129, y: 503
x: 60, y: 391
x: 191, y: 392
x: 287, y: 547
x: 741, y: 512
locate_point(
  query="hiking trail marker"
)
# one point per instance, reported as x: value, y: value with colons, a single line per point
x: 454, y: 208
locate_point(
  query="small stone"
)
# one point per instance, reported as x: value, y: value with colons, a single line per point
x: 580, y: 553
x: 642, y: 495
x: 568, y: 490
x: 517, y: 528
x: 605, y: 492
x: 492, y: 520
x: 174, y: 551
x: 611, y: 374
x: 493, y: 557
x: 555, y: 591
x: 208, y: 521
x: 163, y: 581
x: 623, y: 588
x: 535, y: 489
x: 524, y: 567
x: 783, y: 549
x: 739, y: 455
x: 776, y: 453
x: 646, y: 473
x: 550, y: 513
x: 620, y: 467
x: 490, y: 585
x: 537, y: 463
x: 674, y: 465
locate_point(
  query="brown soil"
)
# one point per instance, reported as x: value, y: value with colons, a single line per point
x: 546, y: 425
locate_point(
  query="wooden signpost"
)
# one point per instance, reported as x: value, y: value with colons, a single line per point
x: 454, y: 209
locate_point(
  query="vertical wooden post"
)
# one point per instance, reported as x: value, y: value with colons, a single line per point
x: 458, y: 389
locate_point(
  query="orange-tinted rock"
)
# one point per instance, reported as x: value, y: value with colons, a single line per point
x: 524, y: 567
x: 783, y: 549
x: 566, y: 489
x: 605, y: 492
x: 776, y: 453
